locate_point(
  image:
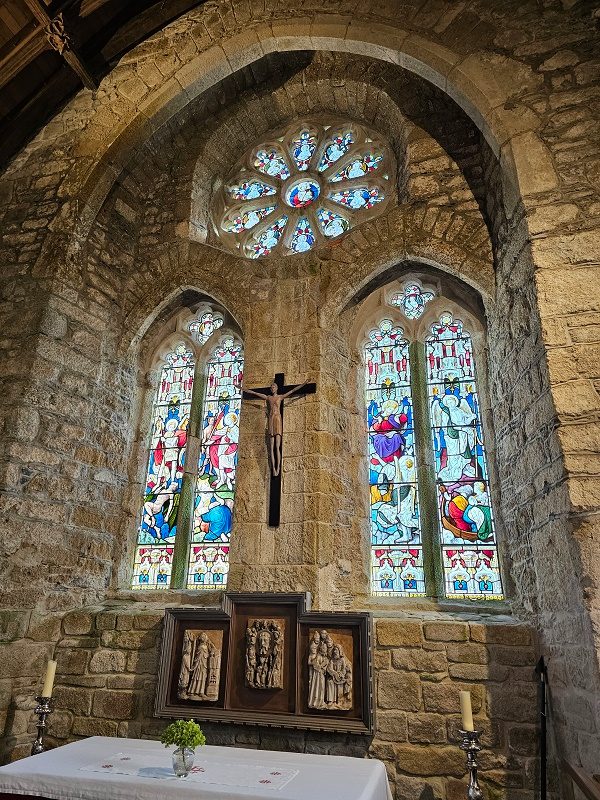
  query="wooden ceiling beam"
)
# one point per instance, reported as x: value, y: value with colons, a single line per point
x: 23, y: 53
x: 59, y: 40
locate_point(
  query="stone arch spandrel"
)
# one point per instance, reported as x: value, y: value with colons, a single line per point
x: 107, y: 140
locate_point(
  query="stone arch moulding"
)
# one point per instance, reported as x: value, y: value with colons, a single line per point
x: 402, y: 259
x: 470, y: 81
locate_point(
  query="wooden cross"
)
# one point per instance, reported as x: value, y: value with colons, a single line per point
x: 275, y: 432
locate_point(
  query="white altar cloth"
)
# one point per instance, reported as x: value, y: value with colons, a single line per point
x: 69, y: 773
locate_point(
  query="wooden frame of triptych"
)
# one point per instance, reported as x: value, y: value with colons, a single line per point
x: 266, y: 659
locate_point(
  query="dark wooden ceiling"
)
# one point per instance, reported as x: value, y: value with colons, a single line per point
x: 50, y: 48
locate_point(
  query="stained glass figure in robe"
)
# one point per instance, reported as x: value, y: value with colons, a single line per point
x: 467, y: 531
x: 215, y: 483
x: 170, y: 419
x: 394, y: 504
x: 204, y: 327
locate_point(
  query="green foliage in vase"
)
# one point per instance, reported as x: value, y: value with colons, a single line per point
x: 183, y: 733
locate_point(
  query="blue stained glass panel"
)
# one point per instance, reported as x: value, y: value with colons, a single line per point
x: 164, y: 475
x: 268, y: 239
x: 303, y: 147
x: 272, y: 162
x: 359, y: 167
x: 303, y: 237
x: 359, y: 197
x: 336, y: 147
x: 466, y: 521
x: 217, y: 462
x: 241, y: 220
x: 250, y: 190
x: 332, y: 224
x: 394, y: 497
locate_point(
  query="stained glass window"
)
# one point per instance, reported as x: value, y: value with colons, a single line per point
x: 302, y: 188
x: 204, y: 327
x: 468, y: 539
x: 170, y: 420
x: 396, y: 548
x: 412, y: 300
x: 455, y: 543
x: 215, y: 482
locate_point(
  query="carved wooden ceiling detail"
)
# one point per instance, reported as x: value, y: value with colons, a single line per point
x: 50, y: 48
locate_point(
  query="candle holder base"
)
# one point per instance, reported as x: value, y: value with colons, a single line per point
x: 42, y: 710
x: 470, y: 744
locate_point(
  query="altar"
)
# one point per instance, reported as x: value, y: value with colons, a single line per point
x: 106, y: 768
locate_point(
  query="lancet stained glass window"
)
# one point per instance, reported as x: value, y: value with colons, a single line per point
x: 304, y: 187
x: 170, y: 420
x: 459, y: 538
x: 468, y: 541
x: 178, y: 504
x: 396, y: 548
x: 215, y: 482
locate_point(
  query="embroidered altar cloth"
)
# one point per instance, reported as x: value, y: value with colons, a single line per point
x: 106, y: 768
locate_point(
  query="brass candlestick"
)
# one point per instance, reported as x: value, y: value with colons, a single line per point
x: 42, y: 710
x: 470, y: 744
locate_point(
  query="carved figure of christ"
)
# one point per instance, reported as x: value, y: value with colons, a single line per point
x: 273, y: 397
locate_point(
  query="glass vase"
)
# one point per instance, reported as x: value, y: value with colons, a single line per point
x: 183, y: 761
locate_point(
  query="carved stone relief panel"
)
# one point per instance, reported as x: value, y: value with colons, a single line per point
x: 200, y: 669
x: 329, y: 671
x: 264, y: 653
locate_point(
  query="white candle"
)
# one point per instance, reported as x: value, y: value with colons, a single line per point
x: 49, y: 679
x: 466, y: 711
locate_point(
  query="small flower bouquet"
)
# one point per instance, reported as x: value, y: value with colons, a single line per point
x: 186, y: 735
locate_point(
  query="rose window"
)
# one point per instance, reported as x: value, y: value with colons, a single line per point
x: 302, y: 188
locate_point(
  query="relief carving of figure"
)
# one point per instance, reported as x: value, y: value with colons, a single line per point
x: 329, y: 674
x: 264, y: 654
x: 200, y: 667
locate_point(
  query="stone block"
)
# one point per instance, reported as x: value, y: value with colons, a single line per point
x: 145, y: 662
x: 429, y: 760
x: 145, y: 622
x: 44, y: 627
x: 23, y: 659
x: 479, y: 672
x: 60, y: 724
x: 397, y: 690
x: 523, y: 741
x: 381, y: 659
x: 78, y: 623
x: 418, y: 660
x: 13, y: 625
x: 517, y: 635
x: 443, y: 698
x: 399, y: 633
x: 79, y: 701
x: 86, y: 726
x: 468, y: 653
x: 108, y: 661
x: 112, y: 704
x: 129, y: 640
x: 515, y: 702
x: 427, y: 728
x: 446, y: 631
x: 392, y: 725
x: 124, y: 622
x: 106, y: 621
x: 71, y: 662
x: 514, y: 656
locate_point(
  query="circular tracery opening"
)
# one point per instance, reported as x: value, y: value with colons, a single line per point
x: 303, y: 187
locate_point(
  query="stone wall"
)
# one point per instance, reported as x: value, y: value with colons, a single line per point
x: 103, y: 217
x: 107, y: 663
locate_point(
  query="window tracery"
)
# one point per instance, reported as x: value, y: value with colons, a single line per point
x: 307, y: 185
x: 186, y: 518
x: 451, y: 552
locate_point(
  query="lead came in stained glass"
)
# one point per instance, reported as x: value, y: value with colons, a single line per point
x: 250, y: 190
x: 303, y: 238
x: 332, y: 224
x: 241, y: 220
x: 217, y: 462
x: 396, y: 546
x: 468, y: 540
x: 170, y: 419
x: 336, y: 147
x: 272, y: 162
x: 358, y: 168
x: 412, y: 300
x: 204, y: 327
x: 361, y: 197
x: 299, y: 169
x: 303, y: 147
x: 268, y: 239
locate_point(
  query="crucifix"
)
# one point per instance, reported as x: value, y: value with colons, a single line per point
x: 273, y: 397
